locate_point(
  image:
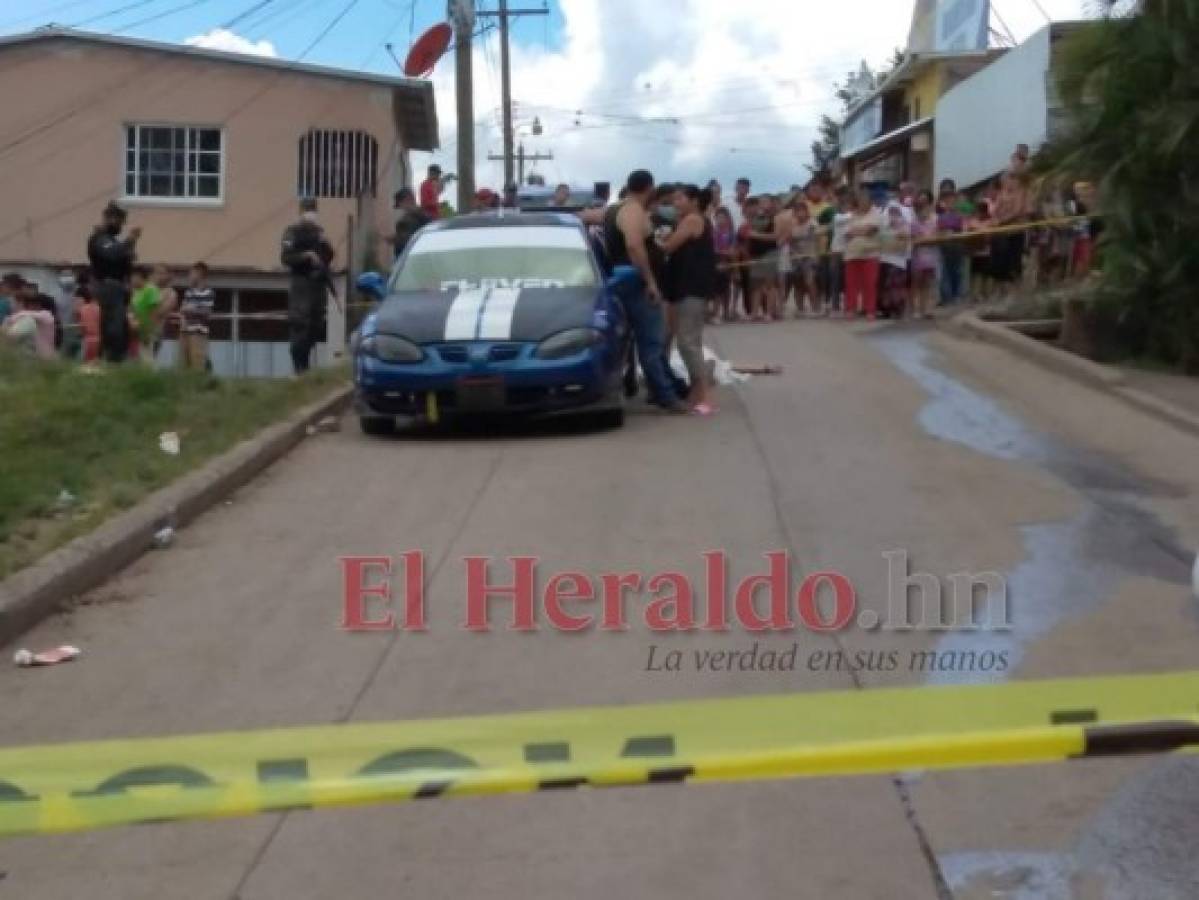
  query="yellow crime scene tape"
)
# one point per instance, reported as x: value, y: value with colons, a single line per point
x: 947, y: 237
x: 77, y: 787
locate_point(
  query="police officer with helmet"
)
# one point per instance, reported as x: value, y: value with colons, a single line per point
x: 308, y: 255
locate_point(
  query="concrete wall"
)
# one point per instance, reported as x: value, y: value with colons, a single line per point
x: 247, y: 359
x: 981, y: 120
x: 921, y: 95
x: 66, y: 105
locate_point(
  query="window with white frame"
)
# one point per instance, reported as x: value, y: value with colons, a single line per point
x: 337, y: 164
x: 174, y: 162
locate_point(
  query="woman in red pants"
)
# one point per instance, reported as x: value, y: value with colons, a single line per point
x: 862, y: 249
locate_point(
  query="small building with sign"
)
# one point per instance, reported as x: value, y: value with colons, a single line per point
x: 889, y: 134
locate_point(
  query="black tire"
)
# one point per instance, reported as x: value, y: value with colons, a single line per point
x: 630, y: 384
x: 611, y: 419
x: 610, y: 416
x: 377, y: 427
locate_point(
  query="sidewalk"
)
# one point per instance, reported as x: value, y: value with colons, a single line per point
x: 1170, y: 398
x: 1180, y: 390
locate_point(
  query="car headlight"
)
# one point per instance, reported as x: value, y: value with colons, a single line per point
x: 568, y: 343
x: 391, y: 348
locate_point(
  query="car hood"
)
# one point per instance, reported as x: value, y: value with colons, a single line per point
x: 486, y: 314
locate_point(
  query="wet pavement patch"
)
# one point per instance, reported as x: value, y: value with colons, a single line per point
x: 1070, y: 567
x: 1139, y: 845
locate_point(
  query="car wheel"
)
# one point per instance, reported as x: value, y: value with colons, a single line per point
x: 610, y: 419
x: 377, y: 427
x: 630, y: 373
x: 611, y: 414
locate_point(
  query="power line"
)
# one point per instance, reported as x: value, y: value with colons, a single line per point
x: 488, y: 54
x: 725, y: 117
x: 136, y: 4
x: 69, y: 114
x: 190, y: 4
x: 486, y: 29
x: 109, y: 191
x: 70, y: 4
x: 999, y: 18
x: 386, y: 42
x: 640, y: 94
x: 240, y: 17
x: 88, y: 101
x: 735, y: 150
x: 336, y: 20
x: 1041, y: 9
x: 296, y: 10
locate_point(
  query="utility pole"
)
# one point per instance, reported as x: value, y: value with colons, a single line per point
x: 521, y: 158
x: 506, y: 89
x: 462, y: 14
x: 504, y: 14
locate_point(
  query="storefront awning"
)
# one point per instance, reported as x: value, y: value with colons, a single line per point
x: 890, y: 139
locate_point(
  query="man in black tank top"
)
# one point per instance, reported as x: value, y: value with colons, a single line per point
x: 629, y: 238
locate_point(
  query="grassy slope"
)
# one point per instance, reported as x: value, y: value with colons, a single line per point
x: 96, y: 436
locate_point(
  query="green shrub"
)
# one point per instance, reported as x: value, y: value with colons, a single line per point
x: 1130, y: 85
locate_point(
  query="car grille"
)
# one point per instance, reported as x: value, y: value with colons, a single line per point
x: 504, y: 352
x: 459, y: 354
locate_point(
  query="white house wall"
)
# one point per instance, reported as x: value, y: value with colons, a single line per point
x: 980, y: 121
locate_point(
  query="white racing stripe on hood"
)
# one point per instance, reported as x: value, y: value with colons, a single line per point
x: 463, y: 319
x: 498, y: 313
x: 549, y: 238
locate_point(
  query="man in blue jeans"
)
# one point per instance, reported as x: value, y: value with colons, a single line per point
x: 950, y: 221
x: 628, y: 237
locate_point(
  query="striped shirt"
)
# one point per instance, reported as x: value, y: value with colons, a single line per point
x: 196, y: 309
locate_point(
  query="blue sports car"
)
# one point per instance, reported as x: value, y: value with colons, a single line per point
x: 494, y: 313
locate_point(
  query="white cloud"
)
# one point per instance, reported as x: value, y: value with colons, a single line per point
x: 746, y: 81
x: 223, y: 39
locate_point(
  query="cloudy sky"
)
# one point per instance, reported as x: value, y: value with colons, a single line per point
x: 732, y: 87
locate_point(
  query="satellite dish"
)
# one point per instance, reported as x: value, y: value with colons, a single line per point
x: 429, y: 48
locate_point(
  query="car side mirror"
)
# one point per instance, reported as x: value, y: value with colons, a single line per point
x: 373, y: 285
x: 624, y: 278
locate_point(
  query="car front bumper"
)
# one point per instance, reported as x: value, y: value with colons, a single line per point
x: 477, y: 383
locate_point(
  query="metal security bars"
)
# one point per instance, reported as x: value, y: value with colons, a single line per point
x: 337, y: 164
x: 174, y: 162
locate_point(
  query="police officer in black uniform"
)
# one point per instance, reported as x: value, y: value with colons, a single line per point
x: 112, y: 258
x: 308, y: 255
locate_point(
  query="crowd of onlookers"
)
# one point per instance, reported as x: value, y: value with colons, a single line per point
x: 823, y: 250
x: 877, y: 251
x: 818, y: 250
x: 114, y: 310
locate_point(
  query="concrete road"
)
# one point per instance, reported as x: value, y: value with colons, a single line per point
x: 874, y: 440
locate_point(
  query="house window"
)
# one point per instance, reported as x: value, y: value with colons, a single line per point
x: 337, y: 164
x: 174, y: 162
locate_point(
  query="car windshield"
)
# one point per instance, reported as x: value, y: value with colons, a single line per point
x: 508, y: 256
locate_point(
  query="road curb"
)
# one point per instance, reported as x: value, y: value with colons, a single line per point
x: 1085, y: 371
x: 36, y: 592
